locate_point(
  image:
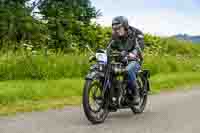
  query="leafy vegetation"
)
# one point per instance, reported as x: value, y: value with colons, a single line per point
x: 61, y: 25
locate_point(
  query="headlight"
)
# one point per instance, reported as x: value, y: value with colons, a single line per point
x: 101, y: 57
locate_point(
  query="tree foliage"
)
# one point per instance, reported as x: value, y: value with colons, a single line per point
x: 64, y: 25
x: 16, y: 24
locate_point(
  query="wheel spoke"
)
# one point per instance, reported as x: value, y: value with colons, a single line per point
x: 94, y: 96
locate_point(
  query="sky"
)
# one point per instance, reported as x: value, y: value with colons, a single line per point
x: 159, y: 17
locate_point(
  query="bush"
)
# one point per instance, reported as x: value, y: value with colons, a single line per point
x: 160, y: 46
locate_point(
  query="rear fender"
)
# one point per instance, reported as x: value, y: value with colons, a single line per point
x: 146, y: 75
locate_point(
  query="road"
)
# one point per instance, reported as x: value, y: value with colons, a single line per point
x: 176, y: 112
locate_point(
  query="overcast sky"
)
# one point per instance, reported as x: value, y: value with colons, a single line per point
x: 162, y: 17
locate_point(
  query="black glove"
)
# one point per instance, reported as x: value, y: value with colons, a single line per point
x: 124, y: 53
x: 125, y: 60
x: 124, y: 57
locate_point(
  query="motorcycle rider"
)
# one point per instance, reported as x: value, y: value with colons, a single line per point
x: 130, y: 42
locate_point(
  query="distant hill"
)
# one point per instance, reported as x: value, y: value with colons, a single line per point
x: 194, y: 39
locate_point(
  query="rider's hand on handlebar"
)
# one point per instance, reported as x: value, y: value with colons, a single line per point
x: 124, y: 54
x: 124, y: 57
x: 132, y: 56
x: 125, y: 60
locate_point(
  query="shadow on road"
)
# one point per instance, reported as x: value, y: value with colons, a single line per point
x: 122, y: 116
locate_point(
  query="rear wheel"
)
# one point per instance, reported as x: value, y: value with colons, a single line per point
x: 137, y: 109
x: 94, y: 107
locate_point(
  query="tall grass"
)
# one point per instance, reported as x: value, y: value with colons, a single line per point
x: 41, y: 67
x: 169, y: 64
x: 70, y: 66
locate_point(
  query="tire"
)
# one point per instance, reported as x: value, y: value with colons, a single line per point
x: 138, y: 109
x: 90, y: 114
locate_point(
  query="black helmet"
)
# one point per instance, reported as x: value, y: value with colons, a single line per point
x: 120, y: 20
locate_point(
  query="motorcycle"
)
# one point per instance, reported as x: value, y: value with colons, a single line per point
x: 106, y: 87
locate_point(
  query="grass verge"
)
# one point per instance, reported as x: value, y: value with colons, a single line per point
x: 37, y: 95
x: 174, y: 81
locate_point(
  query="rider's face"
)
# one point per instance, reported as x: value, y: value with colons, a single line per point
x: 118, y: 30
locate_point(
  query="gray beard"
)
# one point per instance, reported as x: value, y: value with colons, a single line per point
x: 117, y: 37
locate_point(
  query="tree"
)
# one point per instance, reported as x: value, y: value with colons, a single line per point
x: 80, y: 10
x: 16, y: 23
x: 66, y: 19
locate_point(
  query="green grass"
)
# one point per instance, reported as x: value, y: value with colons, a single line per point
x: 35, y: 95
x: 41, y: 68
x: 42, y: 105
x: 171, y: 64
x: 173, y: 81
x: 34, y: 90
x: 69, y: 66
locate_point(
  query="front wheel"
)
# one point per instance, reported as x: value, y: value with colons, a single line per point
x: 94, y: 107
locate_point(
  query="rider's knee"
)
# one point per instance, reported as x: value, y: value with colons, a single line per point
x: 133, y: 66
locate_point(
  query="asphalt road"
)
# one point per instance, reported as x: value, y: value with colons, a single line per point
x: 166, y: 113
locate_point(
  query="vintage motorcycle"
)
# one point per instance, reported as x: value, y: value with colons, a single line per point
x: 106, y: 87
